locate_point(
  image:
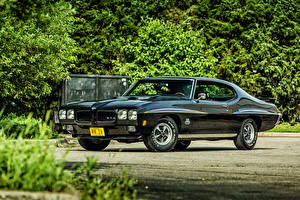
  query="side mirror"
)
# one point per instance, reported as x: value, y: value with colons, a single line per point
x: 201, y: 96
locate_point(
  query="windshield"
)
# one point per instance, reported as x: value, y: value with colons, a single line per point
x: 161, y: 87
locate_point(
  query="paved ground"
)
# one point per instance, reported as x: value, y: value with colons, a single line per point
x: 206, y: 170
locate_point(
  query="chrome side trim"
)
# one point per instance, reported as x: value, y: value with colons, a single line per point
x: 200, y: 135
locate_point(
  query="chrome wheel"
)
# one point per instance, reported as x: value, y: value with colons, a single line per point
x: 162, y: 134
x: 247, y: 137
x: 249, y: 133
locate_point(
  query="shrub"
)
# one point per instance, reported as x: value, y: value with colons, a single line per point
x: 101, y: 26
x: 121, y: 188
x: 36, y: 51
x: 13, y: 126
x: 165, y: 49
x: 95, y: 187
x: 31, y: 166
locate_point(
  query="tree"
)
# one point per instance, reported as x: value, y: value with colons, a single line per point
x: 165, y: 49
x: 36, y: 51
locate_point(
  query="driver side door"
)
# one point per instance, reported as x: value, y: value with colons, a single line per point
x: 215, y: 113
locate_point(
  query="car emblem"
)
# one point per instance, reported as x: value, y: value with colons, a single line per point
x: 187, y: 121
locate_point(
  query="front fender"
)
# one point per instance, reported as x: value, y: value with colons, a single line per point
x: 180, y: 115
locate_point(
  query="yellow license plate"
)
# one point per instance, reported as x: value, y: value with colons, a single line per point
x: 96, y: 131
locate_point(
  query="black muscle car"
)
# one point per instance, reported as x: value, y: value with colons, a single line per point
x: 167, y: 113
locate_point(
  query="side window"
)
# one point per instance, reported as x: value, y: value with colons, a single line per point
x: 213, y: 91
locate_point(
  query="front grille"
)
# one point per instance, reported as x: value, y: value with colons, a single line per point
x: 83, y: 116
x: 106, y: 116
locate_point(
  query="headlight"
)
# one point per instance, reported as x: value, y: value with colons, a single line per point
x: 132, y: 115
x: 70, y: 114
x: 62, y: 114
x: 122, y: 114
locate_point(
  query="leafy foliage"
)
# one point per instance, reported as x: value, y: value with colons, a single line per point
x: 31, y: 166
x: 104, y: 187
x: 164, y: 49
x: 36, y: 50
x: 101, y: 28
x: 13, y: 127
x: 253, y: 43
x: 27, y: 165
x: 257, y: 46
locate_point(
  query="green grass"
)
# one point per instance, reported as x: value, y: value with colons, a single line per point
x: 286, y: 127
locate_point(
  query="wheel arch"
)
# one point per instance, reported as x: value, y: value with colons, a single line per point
x: 257, y: 120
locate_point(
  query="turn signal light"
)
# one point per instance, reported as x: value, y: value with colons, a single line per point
x: 144, y: 123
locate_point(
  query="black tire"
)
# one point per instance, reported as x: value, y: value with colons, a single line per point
x: 148, y: 144
x: 182, y: 145
x: 163, y: 137
x: 247, y: 137
x: 93, y: 144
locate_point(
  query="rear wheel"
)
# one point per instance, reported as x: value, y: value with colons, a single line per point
x: 163, y: 137
x: 93, y: 144
x: 247, y: 136
x: 182, y: 144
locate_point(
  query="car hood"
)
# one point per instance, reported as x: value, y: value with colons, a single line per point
x: 122, y: 102
x: 106, y: 104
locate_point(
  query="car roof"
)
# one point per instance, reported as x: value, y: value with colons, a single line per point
x: 190, y: 78
x: 239, y: 90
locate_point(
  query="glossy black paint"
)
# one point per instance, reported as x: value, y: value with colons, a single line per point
x: 195, y: 118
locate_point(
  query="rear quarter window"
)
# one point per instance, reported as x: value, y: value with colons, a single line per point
x: 215, y: 91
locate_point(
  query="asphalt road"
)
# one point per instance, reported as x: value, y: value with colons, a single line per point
x: 206, y: 170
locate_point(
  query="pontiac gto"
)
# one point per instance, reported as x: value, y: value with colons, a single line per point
x: 167, y: 113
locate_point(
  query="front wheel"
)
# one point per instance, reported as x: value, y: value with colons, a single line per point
x: 163, y: 137
x: 247, y: 136
x: 93, y: 144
